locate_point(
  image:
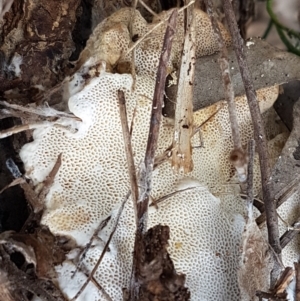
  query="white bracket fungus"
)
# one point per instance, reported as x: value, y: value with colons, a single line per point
x: 206, y: 224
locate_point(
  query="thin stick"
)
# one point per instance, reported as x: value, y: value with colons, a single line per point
x: 297, y: 272
x: 13, y: 183
x: 21, y: 128
x: 154, y: 28
x: 259, y: 133
x: 165, y: 197
x: 280, y: 197
x: 147, y: 168
x: 250, y: 196
x: 183, y: 127
x: 284, y: 280
x: 101, y: 289
x: 269, y: 296
x: 133, y: 73
x: 148, y: 8
x: 226, y: 79
x: 82, y: 256
x: 45, y: 112
x: 237, y: 157
x: 290, y: 234
x: 36, y: 200
x: 128, y: 149
x: 32, y: 126
x: 47, y: 183
x: 155, y: 120
x: 104, y: 249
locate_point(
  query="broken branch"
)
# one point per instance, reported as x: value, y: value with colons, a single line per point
x: 128, y: 148
x: 250, y: 197
x: 237, y: 157
x: 47, y: 183
x: 259, y: 133
x: 297, y: 273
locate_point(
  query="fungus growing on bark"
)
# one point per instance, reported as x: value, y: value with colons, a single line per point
x: 93, y: 178
x: 206, y: 223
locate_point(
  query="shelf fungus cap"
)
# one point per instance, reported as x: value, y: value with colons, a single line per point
x: 205, y: 220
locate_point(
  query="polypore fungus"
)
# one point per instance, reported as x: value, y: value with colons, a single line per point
x: 206, y: 221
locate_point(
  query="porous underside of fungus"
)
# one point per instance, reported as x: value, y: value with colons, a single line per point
x: 113, y: 37
x: 206, y: 222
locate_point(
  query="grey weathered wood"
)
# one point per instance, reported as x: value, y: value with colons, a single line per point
x: 268, y: 66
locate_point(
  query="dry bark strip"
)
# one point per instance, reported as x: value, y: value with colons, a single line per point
x: 283, y: 281
x: 297, y: 272
x: 183, y: 127
x: 259, y: 133
x: 147, y: 168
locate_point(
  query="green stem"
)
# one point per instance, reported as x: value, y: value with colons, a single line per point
x: 289, y: 31
x: 287, y: 43
x: 268, y: 29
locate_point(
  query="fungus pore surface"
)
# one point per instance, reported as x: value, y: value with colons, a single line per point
x: 206, y: 222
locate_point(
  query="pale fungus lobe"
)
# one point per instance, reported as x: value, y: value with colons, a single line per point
x: 205, y: 220
x: 113, y: 38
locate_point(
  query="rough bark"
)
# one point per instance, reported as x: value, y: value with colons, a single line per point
x: 40, y: 33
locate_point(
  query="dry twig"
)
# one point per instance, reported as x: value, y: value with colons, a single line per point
x: 104, y: 249
x: 21, y: 128
x: 297, y: 273
x: 290, y: 234
x: 250, y: 197
x: 148, y: 8
x: 237, y: 156
x: 14, y: 182
x: 165, y: 197
x: 283, y: 281
x: 32, y: 126
x: 280, y: 197
x: 147, y: 168
x: 47, y: 183
x: 89, y: 244
x: 36, y: 200
x: 128, y: 148
x: 154, y: 28
x: 268, y: 296
x: 259, y: 133
x: 39, y: 111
